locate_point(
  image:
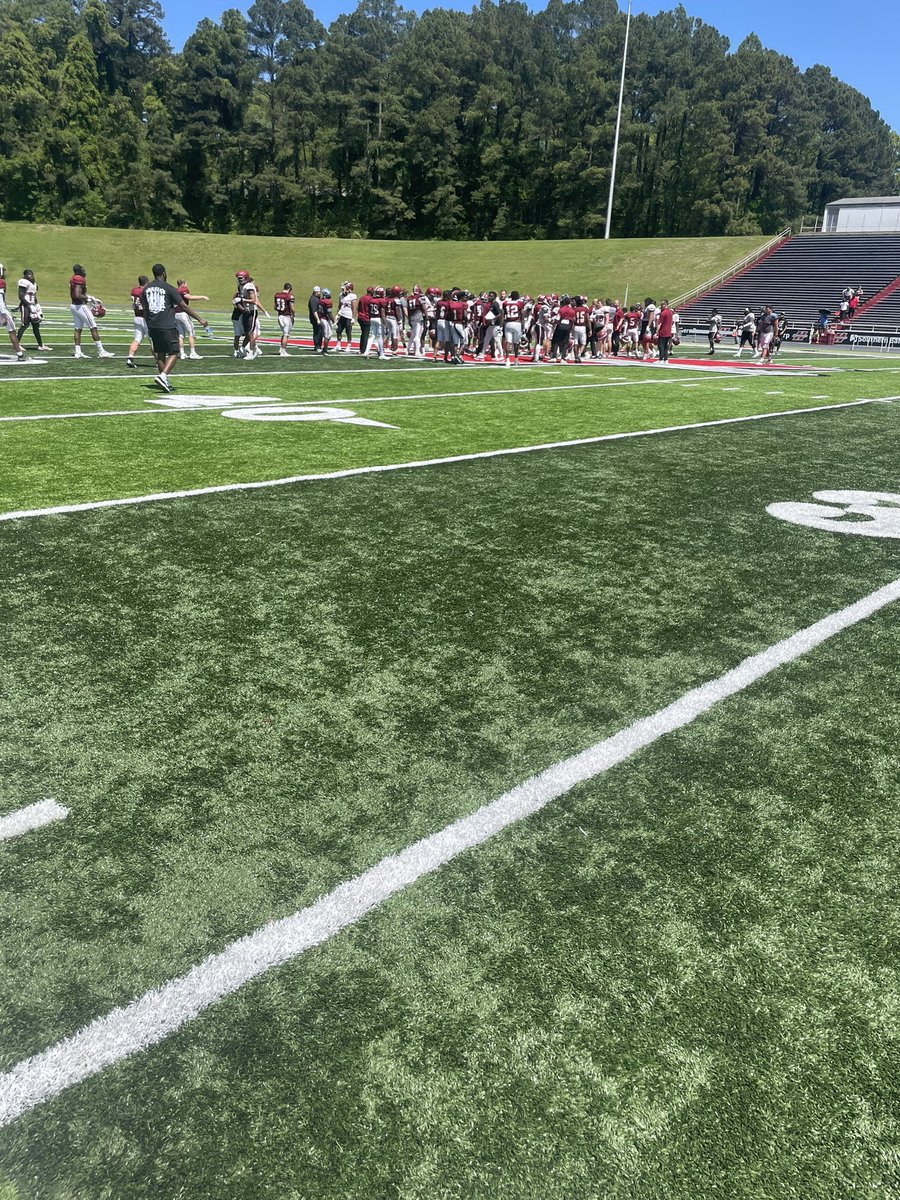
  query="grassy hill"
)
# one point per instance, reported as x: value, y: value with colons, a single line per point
x: 114, y: 257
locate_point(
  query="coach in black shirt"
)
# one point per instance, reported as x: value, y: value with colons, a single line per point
x: 161, y: 301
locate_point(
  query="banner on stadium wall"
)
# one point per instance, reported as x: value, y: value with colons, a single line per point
x: 885, y: 341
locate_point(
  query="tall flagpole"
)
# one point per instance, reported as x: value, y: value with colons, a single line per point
x: 612, y: 178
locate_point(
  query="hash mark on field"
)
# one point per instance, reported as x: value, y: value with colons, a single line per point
x: 820, y: 397
x: 732, y: 389
x: 23, y: 820
x: 151, y: 1018
x: 774, y: 393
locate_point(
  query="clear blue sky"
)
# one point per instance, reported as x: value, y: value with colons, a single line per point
x: 861, y: 45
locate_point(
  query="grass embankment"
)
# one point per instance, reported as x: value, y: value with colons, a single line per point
x: 114, y: 257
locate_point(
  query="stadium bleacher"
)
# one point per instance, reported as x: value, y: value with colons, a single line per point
x: 807, y: 273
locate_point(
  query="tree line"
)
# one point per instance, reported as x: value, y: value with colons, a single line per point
x: 496, y: 123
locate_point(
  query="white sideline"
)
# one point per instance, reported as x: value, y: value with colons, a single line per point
x: 158, y: 1013
x: 256, y: 485
x: 23, y: 820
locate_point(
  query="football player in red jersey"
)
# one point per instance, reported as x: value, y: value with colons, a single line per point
x: 376, y: 323
x: 580, y: 324
x: 82, y: 317
x: 565, y: 317
x: 443, y: 313
x: 284, y: 311
x: 7, y: 321
x: 458, y: 310
x: 184, y: 322
x: 140, y: 321
x: 364, y: 316
x: 393, y: 317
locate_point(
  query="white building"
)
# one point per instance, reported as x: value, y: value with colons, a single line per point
x: 863, y: 214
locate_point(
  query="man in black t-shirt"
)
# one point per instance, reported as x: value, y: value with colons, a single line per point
x: 161, y: 301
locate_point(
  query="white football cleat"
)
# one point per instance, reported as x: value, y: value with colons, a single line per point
x: 105, y: 354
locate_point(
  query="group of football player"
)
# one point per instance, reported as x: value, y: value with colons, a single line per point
x: 498, y: 326
x: 503, y: 327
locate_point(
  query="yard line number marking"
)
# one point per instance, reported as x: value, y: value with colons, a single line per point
x: 158, y: 1013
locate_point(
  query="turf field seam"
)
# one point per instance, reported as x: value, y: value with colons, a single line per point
x: 23, y: 820
x: 152, y: 1017
x: 383, y: 468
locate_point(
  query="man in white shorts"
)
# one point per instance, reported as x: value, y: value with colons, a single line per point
x: 140, y: 321
x: 82, y: 317
x: 284, y: 311
x: 185, y: 324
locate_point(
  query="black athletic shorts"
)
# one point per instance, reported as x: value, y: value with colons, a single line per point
x: 164, y: 341
x: 248, y: 321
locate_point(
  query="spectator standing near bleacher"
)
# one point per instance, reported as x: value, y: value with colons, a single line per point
x: 715, y: 326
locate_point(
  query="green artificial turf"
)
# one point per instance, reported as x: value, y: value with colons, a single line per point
x: 115, y: 257
x: 436, y: 412
x: 679, y: 981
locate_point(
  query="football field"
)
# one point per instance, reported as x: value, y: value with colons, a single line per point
x: 449, y: 782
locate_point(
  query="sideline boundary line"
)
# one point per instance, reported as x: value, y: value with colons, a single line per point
x: 152, y: 1017
x: 378, y: 469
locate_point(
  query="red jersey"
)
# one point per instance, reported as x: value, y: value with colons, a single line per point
x: 393, y: 308
x: 582, y: 316
x: 284, y: 304
x: 137, y: 301
x: 377, y: 306
x: 458, y: 311
x: 77, y: 285
x: 444, y: 310
x: 566, y: 314
x: 364, y: 308
x: 664, y: 322
x: 512, y: 310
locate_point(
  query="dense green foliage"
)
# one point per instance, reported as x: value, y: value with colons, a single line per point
x: 493, y: 123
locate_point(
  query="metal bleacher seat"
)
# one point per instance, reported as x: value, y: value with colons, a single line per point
x: 807, y: 273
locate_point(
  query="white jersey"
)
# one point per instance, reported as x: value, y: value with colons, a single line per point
x: 28, y: 292
x: 345, y: 308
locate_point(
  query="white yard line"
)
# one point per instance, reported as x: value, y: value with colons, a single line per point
x: 158, y: 1013
x: 44, y: 812
x: 256, y: 485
